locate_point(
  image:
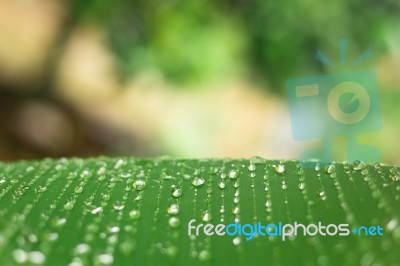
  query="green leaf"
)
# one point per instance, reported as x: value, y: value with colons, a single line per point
x: 129, y: 211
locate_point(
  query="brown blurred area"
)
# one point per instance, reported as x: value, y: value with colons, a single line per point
x: 61, y: 95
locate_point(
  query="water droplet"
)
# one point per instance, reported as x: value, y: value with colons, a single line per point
x: 280, y: 168
x: 236, y: 241
x: 391, y: 225
x: 174, y: 222
x: 257, y: 160
x: 221, y: 185
x: 36, y: 257
x: 20, y: 256
x: 394, y: 177
x: 139, y: 184
x: 24, y: 185
x: 82, y: 248
x: 105, y: 259
x: 164, y: 175
x: 134, y: 214
x: 330, y: 168
x: 322, y: 195
x: 176, y: 192
x: 302, y: 185
x: 171, y: 251
x: 101, y: 170
x: 268, y: 203
x: 206, y: 216
x: 119, y: 163
x: 69, y: 205
x: 198, y: 181
x: 204, y: 255
x: 96, y: 210
x: 233, y: 174
x: 114, y: 229
x: 41, y: 189
x: 118, y: 206
x: 173, y: 209
x: 365, y: 172
x: 213, y: 170
x: 252, y: 167
x: 235, y: 210
x: 284, y: 186
x: 78, y: 189
x: 358, y: 165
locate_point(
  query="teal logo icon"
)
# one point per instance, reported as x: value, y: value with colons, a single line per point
x: 339, y: 104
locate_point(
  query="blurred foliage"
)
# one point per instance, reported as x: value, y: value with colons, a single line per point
x: 198, y: 40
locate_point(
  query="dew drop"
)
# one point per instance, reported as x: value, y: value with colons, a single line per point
x: 280, y: 168
x: 105, y: 259
x: 134, y: 214
x: 213, y: 170
x: 176, y: 192
x: 322, y: 195
x: 302, y: 185
x: 174, y: 222
x: 391, y: 225
x: 236, y: 241
x: 365, y: 172
x: 119, y: 163
x: 118, y: 206
x: 233, y: 174
x: 173, y: 209
x: 256, y: 160
x: 36, y: 257
x: 206, y: 216
x: 96, y: 210
x: 198, y: 181
x: 164, y: 175
x: 394, y: 177
x: 139, y: 184
x: 330, y: 168
x: 284, y: 186
x: 252, y: 167
x: 171, y: 251
x: 82, y: 248
x: 20, y: 256
x: 221, y: 185
x: 235, y: 210
x: 204, y: 255
x: 41, y: 189
x: 69, y: 205
x: 358, y: 165
x: 78, y: 189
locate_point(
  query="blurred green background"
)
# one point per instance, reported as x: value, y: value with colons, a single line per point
x: 180, y: 78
